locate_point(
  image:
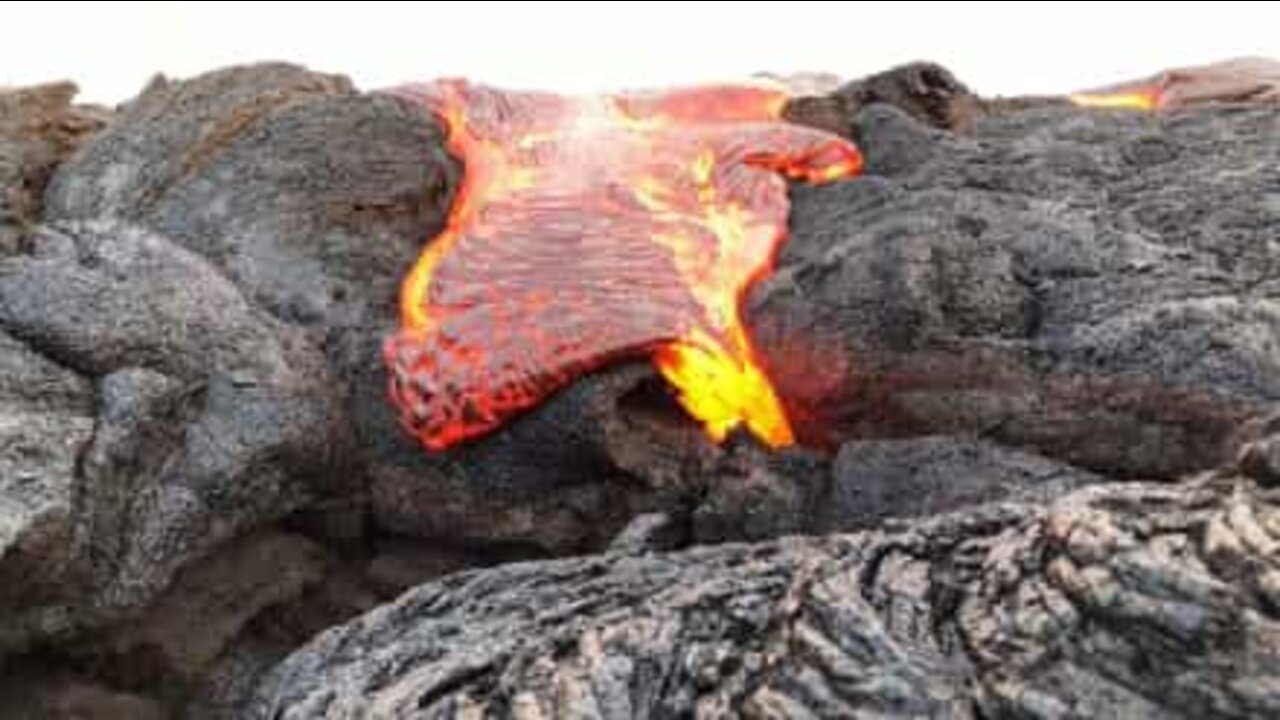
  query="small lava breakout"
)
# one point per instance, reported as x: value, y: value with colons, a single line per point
x: 1240, y: 80
x: 589, y: 230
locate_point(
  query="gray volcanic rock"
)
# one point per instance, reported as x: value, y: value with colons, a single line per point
x: 164, y: 396
x: 1078, y: 609
x: 926, y: 91
x: 1100, y: 287
x: 561, y: 479
x: 310, y: 197
x: 39, y: 127
x: 877, y: 480
x: 1260, y: 456
x: 210, y: 418
x: 46, y: 418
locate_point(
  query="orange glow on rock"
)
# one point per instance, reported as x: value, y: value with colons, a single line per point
x: 1133, y: 99
x: 590, y: 230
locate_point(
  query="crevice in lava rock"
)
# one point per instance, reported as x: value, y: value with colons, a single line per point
x: 653, y: 416
x: 652, y: 403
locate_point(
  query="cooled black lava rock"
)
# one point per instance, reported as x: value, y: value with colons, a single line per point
x: 1099, y: 287
x: 1078, y: 609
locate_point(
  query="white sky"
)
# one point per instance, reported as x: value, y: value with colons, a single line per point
x: 112, y: 48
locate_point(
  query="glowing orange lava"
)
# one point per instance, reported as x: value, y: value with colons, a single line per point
x: 1140, y: 98
x: 1249, y: 80
x: 589, y: 230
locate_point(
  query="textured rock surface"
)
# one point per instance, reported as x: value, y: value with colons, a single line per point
x: 46, y: 417
x: 926, y: 91
x: 564, y: 478
x: 876, y: 480
x: 176, y: 339
x: 1100, y: 287
x: 39, y: 127
x: 212, y: 418
x: 309, y: 196
x: 199, y: 469
x: 1128, y: 601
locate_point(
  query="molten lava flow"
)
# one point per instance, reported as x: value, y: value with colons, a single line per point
x: 1138, y: 98
x: 588, y: 230
x: 1239, y: 80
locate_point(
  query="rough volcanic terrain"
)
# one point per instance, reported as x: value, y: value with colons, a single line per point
x: 1033, y: 354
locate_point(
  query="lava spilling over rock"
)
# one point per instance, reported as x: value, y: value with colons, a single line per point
x: 1037, y: 344
x: 594, y: 229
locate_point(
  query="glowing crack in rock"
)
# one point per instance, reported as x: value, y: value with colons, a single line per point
x: 590, y: 230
